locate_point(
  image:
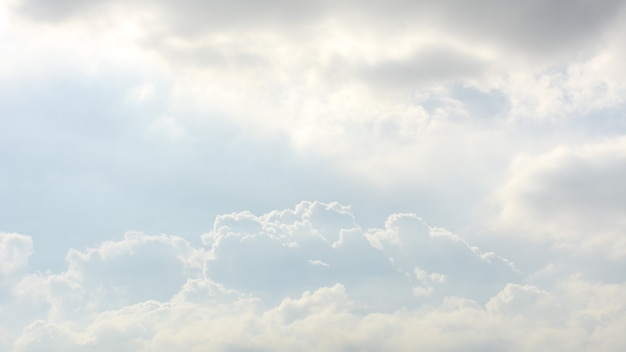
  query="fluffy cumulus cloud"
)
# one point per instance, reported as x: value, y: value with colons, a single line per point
x: 467, y: 160
x: 319, y: 245
x: 307, y: 278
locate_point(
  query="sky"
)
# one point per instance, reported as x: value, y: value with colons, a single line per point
x: 312, y: 175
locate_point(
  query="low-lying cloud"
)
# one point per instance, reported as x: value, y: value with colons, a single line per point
x: 307, y: 278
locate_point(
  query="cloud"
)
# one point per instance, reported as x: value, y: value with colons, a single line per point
x: 572, y: 197
x: 377, y: 94
x: 272, y: 254
x: 59, y: 11
x: 325, y: 319
x: 306, y: 278
x: 158, y: 126
x: 161, y: 116
x: 15, y: 250
x: 538, y: 26
x: 440, y: 259
x: 135, y: 269
x: 429, y: 64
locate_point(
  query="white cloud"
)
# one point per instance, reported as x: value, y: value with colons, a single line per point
x: 135, y: 269
x: 272, y: 254
x: 158, y: 115
x: 326, y: 319
x: 15, y: 249
x: 261, y: 289
x: 572, y: 196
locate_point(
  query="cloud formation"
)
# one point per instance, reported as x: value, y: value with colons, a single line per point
x: 319, y: 244
x: 500, y: 121
x: 307, y: 278
x: 572, y: 196
x: 325, y: 319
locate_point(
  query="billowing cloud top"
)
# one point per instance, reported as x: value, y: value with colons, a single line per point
x: 500, y: 123
x: 284, y: 279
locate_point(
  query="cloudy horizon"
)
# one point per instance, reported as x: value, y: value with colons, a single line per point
x: 312, y: 175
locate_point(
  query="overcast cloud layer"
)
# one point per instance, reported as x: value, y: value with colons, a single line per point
x: 312, y: 175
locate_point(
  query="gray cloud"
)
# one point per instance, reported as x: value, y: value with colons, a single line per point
x: 539, y: 27
x: 542, y: 25
x: 191, y: 17
x: 187, y: 17
x: 58, y: 11
x: 428, y: 65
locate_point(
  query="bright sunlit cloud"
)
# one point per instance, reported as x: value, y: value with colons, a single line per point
x: 312, y: 175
